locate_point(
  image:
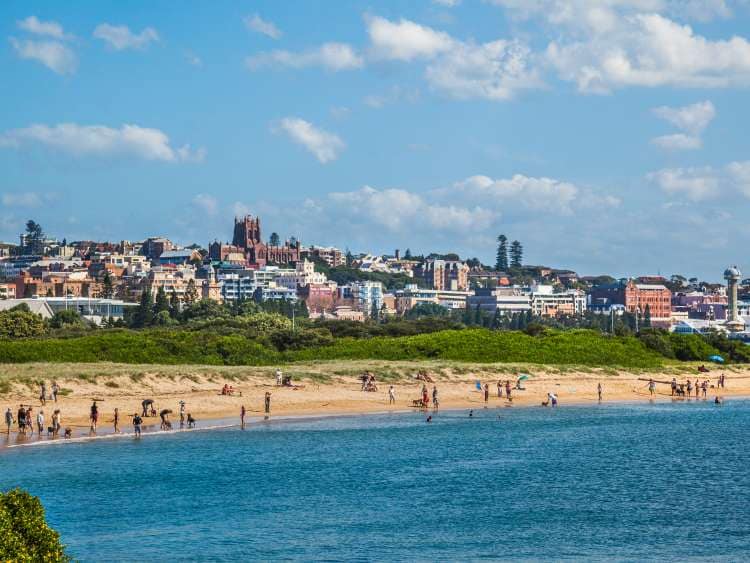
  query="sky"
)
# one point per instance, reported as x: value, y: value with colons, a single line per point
x: 608, y: 136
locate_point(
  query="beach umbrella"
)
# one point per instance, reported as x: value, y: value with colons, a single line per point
x: 479, y: 385
x: 523, y: 377
x: 717, y: 359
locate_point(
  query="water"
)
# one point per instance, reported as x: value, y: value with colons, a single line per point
x: 620, y: 482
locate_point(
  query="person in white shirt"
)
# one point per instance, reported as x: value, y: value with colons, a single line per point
x: 278, y: 377
x: 40, y: 421
x: 391, y: 395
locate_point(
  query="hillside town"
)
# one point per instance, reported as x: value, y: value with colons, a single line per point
x: 102, y: 281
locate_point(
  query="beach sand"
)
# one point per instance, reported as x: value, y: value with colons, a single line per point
x: 325, y: 388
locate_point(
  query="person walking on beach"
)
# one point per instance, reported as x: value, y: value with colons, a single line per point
x: 30, y: 420
x: 279, y: 377
x: 55, y: 390
x: 56, y: 421
x: 21, y: 420
x: 116, y: 421
x: 8, y: 420
x: 43, y: 393
x: 507, y: 390
x: 599, y: 390
x: 242, y: 416
x: 674, y: 386
x: 486, y: 393
x: 267, y: 403
x: 137, y: 421
x: 651, y: 387
x: 94, y: 417
x: 40, y: 423
x: 391, y: 395
x: 435, y: 403
x: 704, y: 387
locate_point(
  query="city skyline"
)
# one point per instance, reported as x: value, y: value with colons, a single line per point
x: 429, y: 125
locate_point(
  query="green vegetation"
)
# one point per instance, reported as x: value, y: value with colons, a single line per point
x: 24, y: 533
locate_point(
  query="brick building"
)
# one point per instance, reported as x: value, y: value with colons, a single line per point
x: 634, y: 297
x: 444, y: 274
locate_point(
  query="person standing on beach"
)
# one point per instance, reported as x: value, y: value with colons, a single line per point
x: 499, y: 389
x: 40, y: 423
x: 21, y: 420
x: 279, y: 377
x: 267, y: 403
x: 182, y: 414
x: 599, y: 390
x: 137, y: 421
x: 56, y: 422
x: 30, y: 420
x: 116, y: 421
x: 55, y: 390
x: 507, y: 390
x: 704, y: 387
x: 486, y: 392
x: 674, y: 386
x: 8, y: 420
x: 94, y: 417
x: 43, y: 393
x: 391, y: 395
x: 242, y: 416
x: 651, y: 387
x: 435, y: 403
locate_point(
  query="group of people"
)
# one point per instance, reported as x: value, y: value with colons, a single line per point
x: 368, y: 381
x: 26, y: 419
x: 686, y: 389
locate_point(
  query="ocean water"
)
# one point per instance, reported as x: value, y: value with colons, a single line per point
x: 614, y: 482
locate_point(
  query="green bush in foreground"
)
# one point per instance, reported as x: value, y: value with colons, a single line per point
x: 24, y: 533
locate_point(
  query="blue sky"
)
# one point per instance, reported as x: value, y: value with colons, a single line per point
x: 607, y: 135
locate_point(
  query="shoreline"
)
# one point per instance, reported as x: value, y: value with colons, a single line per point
x: 222, y: 423
x: 321, y: 390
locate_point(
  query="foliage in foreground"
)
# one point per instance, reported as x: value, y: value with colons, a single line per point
x: 24, y: 533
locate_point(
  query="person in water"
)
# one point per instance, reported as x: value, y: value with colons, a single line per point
x: 242, y: 416
x: 471, y: 413
x: 191, y: 421
x: 429, y: 419
x: 137, y: 421
x: 94, y: 416
x: 8, y: 420
x: 116, y: 421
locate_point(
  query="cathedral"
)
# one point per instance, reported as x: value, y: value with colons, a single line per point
x: 248, y: 242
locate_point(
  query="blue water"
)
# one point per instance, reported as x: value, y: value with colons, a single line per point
x: 620, y: 482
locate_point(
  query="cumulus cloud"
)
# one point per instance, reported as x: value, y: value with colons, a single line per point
x: 259, y: 25
x: 331, y: 56
x: 53, y: 54
x: 405, y: 40
x: 119, y: 37
x: 691, y: 119
x: 34, y: 25
x: 100, y: 140
x: 695, y: 184
x: 650, y: 50
x: 323, y: 145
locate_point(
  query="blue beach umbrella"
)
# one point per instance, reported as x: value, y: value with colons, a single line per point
x: 716, y: 359
x: 479, y: 385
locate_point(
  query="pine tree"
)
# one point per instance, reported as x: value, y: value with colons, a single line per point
x: 108, y: 290
x: 161, y: 303
x: 407, y: 254
x: 144, y: 314
x: 501, y: 263
x: 516, y: 254
x: 174, y: 305
x: 349, y: 258
x: 497, y: 320
x: 274, y: 240
x: 191, y: 292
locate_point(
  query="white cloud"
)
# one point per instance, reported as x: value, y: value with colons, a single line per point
x: 100, y: 140
x: 677, y: 142
x: 331, y: 56
x: 692, y: 119
x: 34, y: 25
x: 52, y: 54
x: 405, y: 40
x: 120, y: 37
x: 447, y: 3
x: 207, y: 203
x: 739, y: 174
x: 696, y: 184
x: 259, y: 25
x: 393, y: 95
x: 340, y: 112
x: 193, y: 59
x: 494, y: 71
x: 650, y: 50
x: 324, y: 145
x: 25, y: 199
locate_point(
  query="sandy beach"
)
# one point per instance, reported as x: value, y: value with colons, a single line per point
x: 326, y: 388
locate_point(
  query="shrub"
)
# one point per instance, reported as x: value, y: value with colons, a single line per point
x: 66, y: 318
x: 20, y: 324
x: 24, y: 533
